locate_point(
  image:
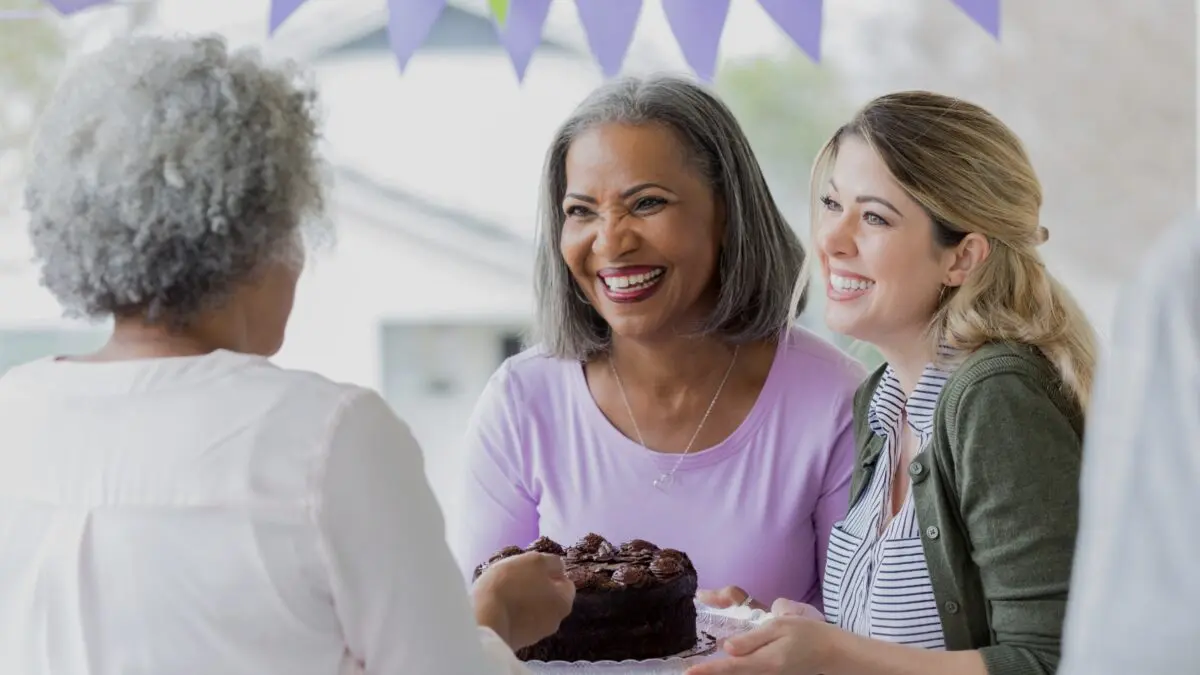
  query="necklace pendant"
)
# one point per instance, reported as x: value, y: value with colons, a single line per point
x: 664, y: 482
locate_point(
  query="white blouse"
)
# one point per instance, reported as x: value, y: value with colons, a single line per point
x: 876, y: 579
x: 218, y: 514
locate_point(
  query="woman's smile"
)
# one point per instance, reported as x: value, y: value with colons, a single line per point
x: 633, y: 283
x: 844, y: 286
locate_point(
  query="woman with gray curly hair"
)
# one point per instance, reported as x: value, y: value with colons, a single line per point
x: 174, y: 503
x: 671, y: 399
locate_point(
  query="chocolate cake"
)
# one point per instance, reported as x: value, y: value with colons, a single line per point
x: 631, y: 602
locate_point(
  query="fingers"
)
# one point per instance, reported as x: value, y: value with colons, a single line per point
x: 729, y: 596
x: 551, y: 565
x: 711, y: 598
x: 754, y: 604
x: 565, y: 589
x: 785, y: 607
x: 555, y: 566
x: 771, y: 660
x: 753, y: 640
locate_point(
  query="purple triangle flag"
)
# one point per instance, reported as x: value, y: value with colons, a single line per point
x: 409, y: 23
x: 801, y: 20
x: 522, y: 31
x: 609, y: 25
x: 697, y: 27
x: 281, y: 10
x: 986, y: 13
x: 66, y: 7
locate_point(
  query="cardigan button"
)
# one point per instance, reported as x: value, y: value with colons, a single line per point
x: 932, y: 532
x: 916, y: 470
x: 951, y: 607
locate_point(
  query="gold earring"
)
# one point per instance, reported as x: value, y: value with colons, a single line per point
x: 579, y: 295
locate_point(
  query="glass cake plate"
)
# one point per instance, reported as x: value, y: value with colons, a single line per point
x: 712, y: 626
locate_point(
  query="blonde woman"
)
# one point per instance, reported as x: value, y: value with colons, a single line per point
x: 956, y: 553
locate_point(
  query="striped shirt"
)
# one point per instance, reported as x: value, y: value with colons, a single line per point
x: 876, y: 580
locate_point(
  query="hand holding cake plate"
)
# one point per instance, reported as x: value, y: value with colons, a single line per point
x: 524, y: 597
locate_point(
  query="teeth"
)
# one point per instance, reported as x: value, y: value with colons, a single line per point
x: 847, y: 284
x: 633, y: 281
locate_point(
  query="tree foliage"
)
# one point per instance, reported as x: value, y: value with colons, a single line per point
x: 31, y: 54
x: 788, y: 108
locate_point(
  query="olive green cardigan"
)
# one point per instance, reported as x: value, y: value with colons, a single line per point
x: 997, y: 495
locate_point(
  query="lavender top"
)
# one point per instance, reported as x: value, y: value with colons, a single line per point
x: 754, y: 511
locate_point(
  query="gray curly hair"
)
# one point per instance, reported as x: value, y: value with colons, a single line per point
x: 165, y: 172
x: 761, y: 257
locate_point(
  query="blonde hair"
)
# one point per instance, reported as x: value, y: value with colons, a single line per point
x: 971, y: 173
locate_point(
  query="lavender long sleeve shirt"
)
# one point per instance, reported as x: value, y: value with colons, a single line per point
x: 754, y: 511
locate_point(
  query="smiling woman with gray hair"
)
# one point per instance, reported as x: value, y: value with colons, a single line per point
x: 174, y: 503
x: 670, y: 398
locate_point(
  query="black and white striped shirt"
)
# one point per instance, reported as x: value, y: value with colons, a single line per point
x: 876, y: 580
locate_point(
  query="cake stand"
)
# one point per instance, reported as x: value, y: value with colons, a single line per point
x: 712, y: 626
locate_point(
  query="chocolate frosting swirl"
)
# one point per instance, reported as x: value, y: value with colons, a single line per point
x: 506, y: 552
x: 590, y: 543
x: 638, y: 550
x: 637, y: 546
x: 666, y: 567
x: 604, y: 552
x: 586, y: 578
x: 546, y: 545
x: 671, y: 553
x: 632, y: 575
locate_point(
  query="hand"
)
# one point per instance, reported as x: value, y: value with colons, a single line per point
x: 787, y: 645
x: 730, y: 596
x: 523, y: 598
x: 785, y: 607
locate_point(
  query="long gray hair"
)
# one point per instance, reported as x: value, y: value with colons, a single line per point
x: 761, y: 256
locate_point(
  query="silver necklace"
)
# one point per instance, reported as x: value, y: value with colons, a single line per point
x: 665, y: 480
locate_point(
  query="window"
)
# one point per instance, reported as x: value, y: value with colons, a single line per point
x: 511, y: 344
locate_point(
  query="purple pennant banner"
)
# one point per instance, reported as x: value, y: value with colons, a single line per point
x: 986, y: 13
x: 522, y: 31
x: 609, y: 25
x: 409, y: 23
x: 66, y: 7
x: 801, y: 20
x: 697, y: 27
x: 281, y: 10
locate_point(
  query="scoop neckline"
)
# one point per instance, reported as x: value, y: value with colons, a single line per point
x: 697, y: 458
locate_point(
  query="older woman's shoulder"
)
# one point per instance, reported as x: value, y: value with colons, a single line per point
x: 296, y: 390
